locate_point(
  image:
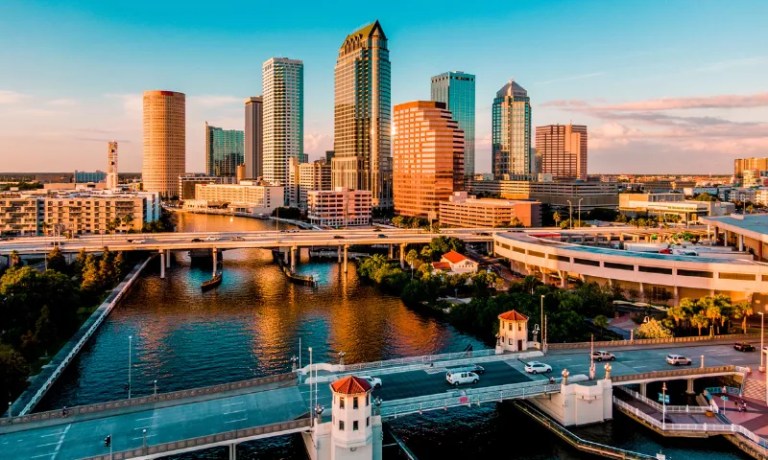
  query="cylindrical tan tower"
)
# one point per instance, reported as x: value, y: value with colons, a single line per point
x: 164, y: 142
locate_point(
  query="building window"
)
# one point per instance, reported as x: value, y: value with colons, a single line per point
x: 509, y: 326
x: 367, y: 399
x: 341, y: 403
x: 354, y: 403
x: 367, y: 421
x: 341, y: 425
x: 519, y: 327
x: 354, y: 425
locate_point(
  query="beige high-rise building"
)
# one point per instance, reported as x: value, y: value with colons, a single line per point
x: 428, y: 157
x: 563, y: 151
x: 746, y: 164
x: 112, y: 165
x: 362, y: 115
x: 164, y: 142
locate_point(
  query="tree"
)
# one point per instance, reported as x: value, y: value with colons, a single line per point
x: 557, y: 218
x: 14, y: 259
x: 653, y: 329
x: 743, y: 310
x: 56, y: 260
x: 602, y: 322
x: 682, y: 311
x: 699, y: 321
x: 13, y: 371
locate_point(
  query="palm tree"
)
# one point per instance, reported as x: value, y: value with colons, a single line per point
x: 743, y: 310
x: 557, y: 218
x: 682, y: 311
x: 699, y: 321
x: 711, y: 310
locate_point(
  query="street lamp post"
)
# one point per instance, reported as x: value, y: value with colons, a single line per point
x: 155, y: 392
x: 310, y: 387
x: 144, y: 440
x: 762, y: 341
x: 664, y: 406
x: 542, y: 322
x: 570, y: 214
x: 130, y: 348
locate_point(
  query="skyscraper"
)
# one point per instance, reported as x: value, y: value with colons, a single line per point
x: 254, y: 137
x: 428, y: 157
x: 283, y: 81
x: 112, y: 179
x: 563, y: 150
x: 511, y: 131
x: 164, y: 142
x: 457, y: 91
x: 363, y: 114
x: 223, y: 151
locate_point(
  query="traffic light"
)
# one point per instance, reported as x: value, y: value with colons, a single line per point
x: 108, y: 440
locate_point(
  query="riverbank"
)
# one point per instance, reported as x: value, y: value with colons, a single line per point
x: 43, y: 381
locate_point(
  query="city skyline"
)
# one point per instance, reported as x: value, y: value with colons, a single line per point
x: 679, y: 97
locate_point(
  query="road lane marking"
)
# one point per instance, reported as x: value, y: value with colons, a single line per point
x: 144, y: 437
x: 51, y: 434
x: 43, y: 455
x: 233, y: 412
x: 146, y: 418
x: 61, y: 441
x: 235, y: 421
x: 143, y: 427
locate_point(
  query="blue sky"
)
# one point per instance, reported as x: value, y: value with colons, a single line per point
x: 663, y: 86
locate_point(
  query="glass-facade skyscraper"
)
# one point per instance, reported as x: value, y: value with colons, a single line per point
x: 457, y: 91
x: 363, y: 115
x: 254, y: 137
x: 283, y: 84
x: 511, y: 132
x: 223, y: 151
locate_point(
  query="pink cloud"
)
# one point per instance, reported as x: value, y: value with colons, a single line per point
x: 724, y: 101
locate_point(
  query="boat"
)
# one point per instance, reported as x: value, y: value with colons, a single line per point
x: 213, y: 282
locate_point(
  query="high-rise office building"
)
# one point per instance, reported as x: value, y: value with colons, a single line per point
x: 511, y: 131
x: 254, y: 137
x: 563, y: 151
x: 112, y: 179
x: 313, y: 176
x: 749, y: 164
x: 223, y: 151
x: 457, y: 91
x: 428, y: 157
x: 363, y: 114
x: 164, y: 142
x: 283, y: 81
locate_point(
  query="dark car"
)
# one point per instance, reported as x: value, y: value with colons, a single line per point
x: 196, y: 240
x: 381, y: 235
x: 338, y: 237
x: 743, y: 346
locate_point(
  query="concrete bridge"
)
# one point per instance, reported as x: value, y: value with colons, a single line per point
x: 172, y: 423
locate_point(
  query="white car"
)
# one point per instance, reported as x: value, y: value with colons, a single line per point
x: 535, y: 367
x: 457, y: 378
x: 212, y: 238
x: 677, y: 360
x: 374, y: 381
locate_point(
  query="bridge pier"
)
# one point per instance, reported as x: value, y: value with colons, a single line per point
x: 689, y: 387
x: 286, y: 256
x: 391, y: 251
x: 338, y: 251
x: 233, y: 452
x: 346, y: 259
x: 167, y: 258
x: 162, y: 264
x: 402, y: 255
x: 643, y: 389
x: 293, y: 258
x: 215, y: 260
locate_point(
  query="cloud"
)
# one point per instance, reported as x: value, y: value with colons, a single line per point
x: 209, y: 101
x: 726, y: 101
x: 133, y: 103
x: 317, y: 143
x: 733, y: 63
x: 571, y: 78
x: 63, y: 102
x: 11, y: 97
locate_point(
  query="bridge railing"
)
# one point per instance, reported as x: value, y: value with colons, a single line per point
x: 426, y: 359
x: 150, y: 399
x: 465, y: 397
x: 208, y: 441
x: 669, y: 408
x: 675, y: 373
x: 719, y: 428
x: 626, y: 343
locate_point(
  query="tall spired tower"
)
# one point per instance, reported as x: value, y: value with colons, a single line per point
x: 112, y: 165
x: 363, y: 115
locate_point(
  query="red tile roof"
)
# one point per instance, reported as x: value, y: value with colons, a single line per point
x: 513, y: 315
x: 441, y: 266
x: 454, y: 257
x: 351, y: 385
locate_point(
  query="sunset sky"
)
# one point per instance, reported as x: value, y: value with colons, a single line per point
x: 663, y: 86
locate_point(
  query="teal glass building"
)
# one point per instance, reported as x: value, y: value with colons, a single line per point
x: 457, y: 91
x: 223, y: 151
x: 511, y: 132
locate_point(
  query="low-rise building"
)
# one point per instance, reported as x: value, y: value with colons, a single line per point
x: 20, y: 214
x: 556, y: 193
x: 453, y: 263
x: 313, y: 176
x: 462, y: 210
x: 188, y: 182
x: 339, y: 207
x: 246, y: 197
x: 671, y: 204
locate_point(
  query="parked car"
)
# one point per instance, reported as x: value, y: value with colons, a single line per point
x: 535, y: 367
x: 743, y: 346
x: 458, y: 378
x: 603, y: 356
x: 374, y: 381
x: 677, y: 360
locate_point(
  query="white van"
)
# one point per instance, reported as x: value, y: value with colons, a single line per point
x: 458, y: 378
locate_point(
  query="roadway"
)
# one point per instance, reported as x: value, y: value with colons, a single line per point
x: 82, y: 436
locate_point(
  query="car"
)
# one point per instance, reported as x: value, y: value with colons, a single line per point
x: 458, y: 378
x: 535, y: 367
x: 381, y: 235
x: 374, y: 381
x: 196, y: 240
x: 212, y: 238
x: 476, y: 368
x: 603, y: 356
x: 338, y: 237
x: 743, y: 346
x: 238, y: 238
x: 677, y: 360
x: 138, y: 241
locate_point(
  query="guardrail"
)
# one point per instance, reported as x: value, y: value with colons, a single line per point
x: 670, y: 409
x: 583, y: 445
x: 97, y: 317
x: 675, y: 373
x: 205, y: 442
x: 671, y: 340
x: 715, y: 428
x: 152, y: 399
x: 465, y: 397
x: 426, y: 359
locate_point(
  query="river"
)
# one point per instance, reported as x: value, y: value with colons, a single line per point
x: 252, y: 324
